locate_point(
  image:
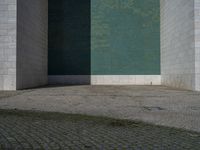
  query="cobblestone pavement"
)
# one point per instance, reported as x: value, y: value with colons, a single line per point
x: 39, y: 130
x: 154, y: 104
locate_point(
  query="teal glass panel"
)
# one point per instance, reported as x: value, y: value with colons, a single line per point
x: 125, y: 37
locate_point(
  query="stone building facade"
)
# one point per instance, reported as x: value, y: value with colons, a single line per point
x: 99, y: 42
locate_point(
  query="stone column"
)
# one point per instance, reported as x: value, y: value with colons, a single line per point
x: 179, y: 57
x: 23, y: 43
x: 8, y: 44
x: 32, y: 46
x: 197, y: 44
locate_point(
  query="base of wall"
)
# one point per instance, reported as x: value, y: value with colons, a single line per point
x: 69, y: 79
x: 8, y: 83
x: 106, y: 79
x: 125, y: 79
x: 181, y: 81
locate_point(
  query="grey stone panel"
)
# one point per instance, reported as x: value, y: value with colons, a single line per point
x: 8, y: 44
x: 32, y: 37
x: 197, y: 44
x: 177, y: 44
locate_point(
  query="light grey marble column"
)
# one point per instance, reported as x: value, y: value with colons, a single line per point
x: 23, y: 43
x: 32, y: 46
x: 179, y: 62
x: 8, y: 44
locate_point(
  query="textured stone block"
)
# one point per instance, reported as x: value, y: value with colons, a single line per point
x: 7, y: 44
x: 179, y: 57
x: 23, y: 43
x: 32, y: 37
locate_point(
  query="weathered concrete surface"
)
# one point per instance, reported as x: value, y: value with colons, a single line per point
x: 32, y: 43
x: 23, y: 43
x: 8, y: 44
x: 155, y: 104
x: 178, y: 62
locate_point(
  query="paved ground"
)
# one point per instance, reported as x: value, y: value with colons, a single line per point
x: 31, y: 130
x: 155, y: 104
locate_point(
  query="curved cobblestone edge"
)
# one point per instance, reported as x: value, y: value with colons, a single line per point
x: 44, y: 130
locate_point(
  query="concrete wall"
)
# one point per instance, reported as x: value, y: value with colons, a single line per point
x: 177, y: 44
x: 32, y: 37
x: 197, y: 44
x: 7, y: 44
x: 106, y: 79
x: 23, y: 45
x: 125, y: 79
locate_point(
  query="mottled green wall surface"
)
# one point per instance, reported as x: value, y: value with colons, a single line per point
x: 104, y: 37
x: 125, y: 37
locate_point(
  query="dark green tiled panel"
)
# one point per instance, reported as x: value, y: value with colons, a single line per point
x: 104, y: 37
x: 125, y: 37
x: 69, y: 37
